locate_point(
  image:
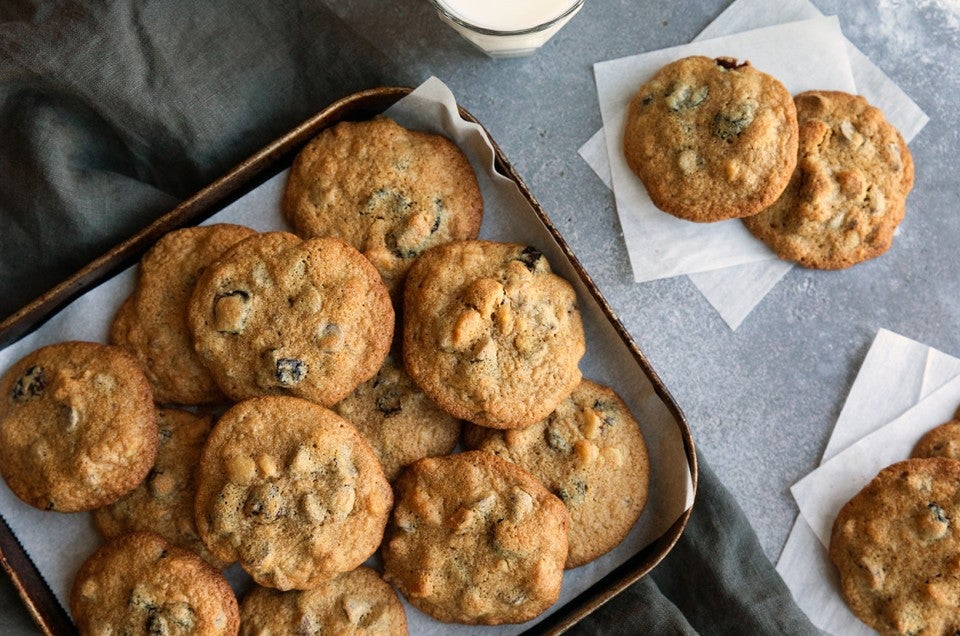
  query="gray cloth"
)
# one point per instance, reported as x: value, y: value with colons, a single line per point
x: 112, y: 113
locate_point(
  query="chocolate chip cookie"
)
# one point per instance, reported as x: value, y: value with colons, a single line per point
x: 290, y: 490
x: 711, y: 139
x: 475, y: 539
x: 398, y: 420
x: 78, y: 428
x: 277, y: 315
x: 140, y: 584
x: 386, y: 190
x: 591, y: 454
x: 848, y: 193
x: 152, y: 322
x: 896, y: 545
x: 358, y: 603
x: 490, y: 333
x: 163, y: 502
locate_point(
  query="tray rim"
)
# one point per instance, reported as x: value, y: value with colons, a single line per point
x: 37, y: 596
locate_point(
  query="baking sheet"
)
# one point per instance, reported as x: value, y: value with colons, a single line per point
x: 58, y: 543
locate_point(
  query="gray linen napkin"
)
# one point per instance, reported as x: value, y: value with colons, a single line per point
x: 111, y: 113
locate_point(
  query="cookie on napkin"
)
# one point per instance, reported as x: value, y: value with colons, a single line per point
x: 711, y: 139
x: 941, y: 441
x: 848, y: 193
x: 896, y: 546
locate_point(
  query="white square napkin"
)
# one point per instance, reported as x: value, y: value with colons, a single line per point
x: 735, y: 290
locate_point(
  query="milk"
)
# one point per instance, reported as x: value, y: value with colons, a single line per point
x: 503, y: 28
x: 507, y: 15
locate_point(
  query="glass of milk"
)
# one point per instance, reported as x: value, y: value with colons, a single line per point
x: 507, y: 28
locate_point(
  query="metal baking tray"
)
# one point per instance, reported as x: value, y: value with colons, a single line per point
x: 40, y: 601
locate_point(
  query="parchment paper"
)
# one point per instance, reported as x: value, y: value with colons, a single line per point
x: 735, y: 291
x: 58, y: 543
x: 903, y: 389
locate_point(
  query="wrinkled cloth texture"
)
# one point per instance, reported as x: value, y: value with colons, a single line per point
x: 113, y: 112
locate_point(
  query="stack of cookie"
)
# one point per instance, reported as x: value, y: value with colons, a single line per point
x: 896, y: 544
x: 294, y: 402
x: 821, y: 178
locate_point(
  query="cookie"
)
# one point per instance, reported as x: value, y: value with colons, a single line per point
x: 388, y: 191
x: 475, y: 539
x: 277, y: 315
x: 140, y: 584
x: 711, y: 139
x: 896, y: 545
x: 78, y: 428
x: 163, y: 502
x: 591, y: 454
x: 291, y: 491
x: 398, y: 420
x: 354, y: 603
x: 490, y: 333
x: 942, y: 441
x: 848, y: 193
x: 152, y: 322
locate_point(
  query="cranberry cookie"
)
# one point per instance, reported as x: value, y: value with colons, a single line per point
x: 590, y: 453
x: 386, y: 190
x: 152, y: 322
x: 277, y: 315
x: 140, y: 584
x: 490, y: 333
x: 78, y: 428
x: 896, y: 545
x: 355, y: 603
x: 848, y: 193
x: 291, y: 491
x: 475, y: 539
x: 711, y: 139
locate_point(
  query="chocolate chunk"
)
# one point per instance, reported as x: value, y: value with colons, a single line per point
x: 729, y: 63
x: 938, y: 513
x: 573, y: 494
x: 30, y: 385
x: 389, y: 403
x: 263, y: 503
x: 728, y: 125
x: 530, y: 257
x: 291, y: 371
